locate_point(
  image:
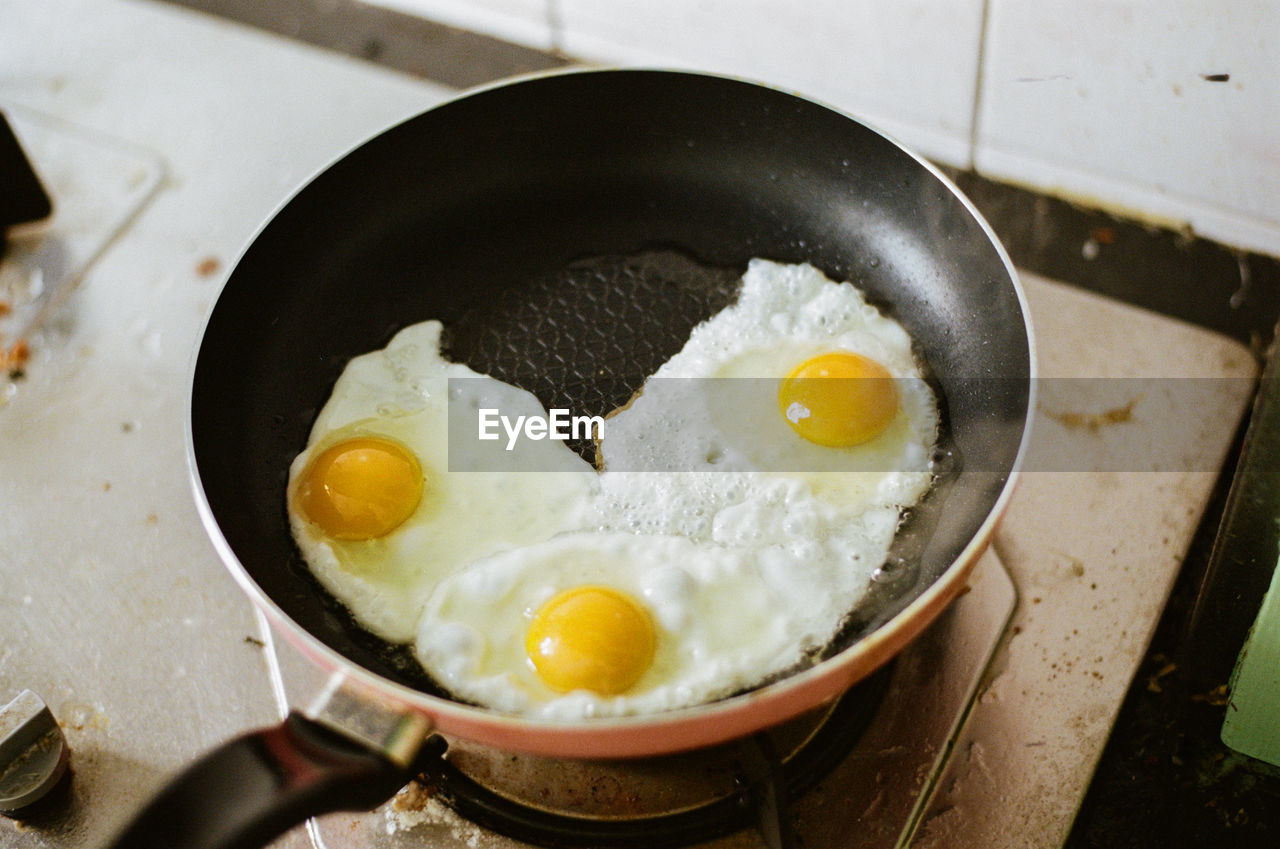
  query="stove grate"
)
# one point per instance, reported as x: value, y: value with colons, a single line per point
x: 765, y: 783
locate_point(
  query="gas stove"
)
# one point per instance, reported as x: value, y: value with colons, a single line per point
x: 118, y: 614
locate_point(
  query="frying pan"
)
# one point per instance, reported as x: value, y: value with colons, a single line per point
x: 569, y: 229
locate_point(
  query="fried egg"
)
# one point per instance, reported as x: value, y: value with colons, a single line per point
x: 374, y: 506
x: 597, y: 624
x: 708, y: 448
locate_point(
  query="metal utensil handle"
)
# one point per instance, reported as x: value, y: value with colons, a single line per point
x: 255, y: 787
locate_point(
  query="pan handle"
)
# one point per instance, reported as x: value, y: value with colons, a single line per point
x: 252, y: 789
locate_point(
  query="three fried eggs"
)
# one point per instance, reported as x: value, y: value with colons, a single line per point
x: 745, y: 497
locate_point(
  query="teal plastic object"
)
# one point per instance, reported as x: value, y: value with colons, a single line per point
x: 1252, y: 724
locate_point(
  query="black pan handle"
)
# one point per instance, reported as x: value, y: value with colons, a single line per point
x: 254, y: 788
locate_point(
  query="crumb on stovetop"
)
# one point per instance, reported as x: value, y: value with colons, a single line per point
x: 14, y: 357
x: 1094, y: 422
x: 413, y: 797
x: 208, y: 266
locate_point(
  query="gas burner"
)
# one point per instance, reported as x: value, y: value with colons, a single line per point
x: 860, y: 772
x: 680, y: 800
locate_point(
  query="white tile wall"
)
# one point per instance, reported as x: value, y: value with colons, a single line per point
x: 526, y: 22
x: 1103, y: 101
x: 1107, y: 102
x: 908, y: 66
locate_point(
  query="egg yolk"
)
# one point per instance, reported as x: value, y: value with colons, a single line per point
x: 591, y: 638
x: 838, y: 399
x: 361, y: 488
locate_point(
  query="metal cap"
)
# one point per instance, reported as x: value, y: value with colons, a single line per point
x: 33, y: 753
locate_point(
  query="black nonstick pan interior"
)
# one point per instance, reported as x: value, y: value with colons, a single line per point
x: 569, y: 230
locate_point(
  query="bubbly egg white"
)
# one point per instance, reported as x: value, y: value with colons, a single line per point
x: 703, y: 450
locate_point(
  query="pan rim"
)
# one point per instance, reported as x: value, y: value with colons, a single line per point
x: 666, y: 731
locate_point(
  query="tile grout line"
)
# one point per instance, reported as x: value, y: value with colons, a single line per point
x: 979, y: 78
x: 555, y: 26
